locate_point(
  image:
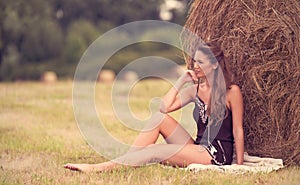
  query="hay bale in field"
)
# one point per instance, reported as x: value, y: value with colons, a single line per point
x: 48, y: 77
x: 261, y: 38
x: 130, y: 76
x: 106, y: 76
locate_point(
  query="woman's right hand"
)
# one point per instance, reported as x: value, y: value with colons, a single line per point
x: 175, y: 97
x: 188, y: 76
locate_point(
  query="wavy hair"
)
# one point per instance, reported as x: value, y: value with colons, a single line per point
x: 220, y: 83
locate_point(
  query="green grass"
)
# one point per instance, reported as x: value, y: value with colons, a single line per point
x: 39, y: 134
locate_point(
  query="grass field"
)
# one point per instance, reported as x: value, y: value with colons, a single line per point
x: 39, y: 134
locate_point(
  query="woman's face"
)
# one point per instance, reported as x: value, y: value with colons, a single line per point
x: 202, y: 65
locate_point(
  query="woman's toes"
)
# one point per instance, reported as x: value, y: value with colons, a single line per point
x: 71, y: 167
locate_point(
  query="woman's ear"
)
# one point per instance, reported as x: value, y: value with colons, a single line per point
x: 215, y: 65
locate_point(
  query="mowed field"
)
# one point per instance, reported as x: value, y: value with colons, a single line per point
x: 39, y: 134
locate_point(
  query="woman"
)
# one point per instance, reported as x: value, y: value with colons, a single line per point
x: 218, y: 113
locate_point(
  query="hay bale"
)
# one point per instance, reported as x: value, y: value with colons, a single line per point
x: 48, y: 77
x: 106, y: 76
x: 262, y: 40
x: 130, y: 76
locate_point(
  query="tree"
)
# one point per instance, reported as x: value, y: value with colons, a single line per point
x: 10, y: 63
x: 80, y: 35
x: 42, y: 40
x: 59, y: 31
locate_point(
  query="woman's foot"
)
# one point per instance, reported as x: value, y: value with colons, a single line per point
x: 80, y: 167
x: 101, y: 167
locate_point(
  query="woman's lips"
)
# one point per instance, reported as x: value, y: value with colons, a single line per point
x: 198, y: 73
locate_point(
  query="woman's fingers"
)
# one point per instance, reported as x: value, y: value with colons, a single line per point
x: 189, y: 76
x: 192, y: 75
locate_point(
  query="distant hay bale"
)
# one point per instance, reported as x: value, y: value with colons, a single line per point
x: 106, y: 76
x: 130, y: 76
x: 48, y: 77
x: 262, y: 40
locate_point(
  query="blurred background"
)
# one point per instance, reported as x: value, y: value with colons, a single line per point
x: 38, y: 36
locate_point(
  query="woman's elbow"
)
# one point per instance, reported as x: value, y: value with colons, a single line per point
x: 163, y: 110
x: 238, y: 133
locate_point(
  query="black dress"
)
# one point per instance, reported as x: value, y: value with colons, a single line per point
x: 216, y: 139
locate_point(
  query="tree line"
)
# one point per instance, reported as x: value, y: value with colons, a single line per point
x: 37, y: 35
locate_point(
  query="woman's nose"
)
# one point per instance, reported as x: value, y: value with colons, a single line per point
x: 196, y: 66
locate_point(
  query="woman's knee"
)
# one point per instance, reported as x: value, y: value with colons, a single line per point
x: 158, y: 118
x: 161, y: 114
x: 164, y: 117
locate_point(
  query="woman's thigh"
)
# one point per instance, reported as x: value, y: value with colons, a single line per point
x: 173, y: 132
x: 165, y: 125
x: 179, y: 155
x: 189, y: 154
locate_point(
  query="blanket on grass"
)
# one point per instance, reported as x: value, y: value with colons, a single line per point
x: 251, y: 164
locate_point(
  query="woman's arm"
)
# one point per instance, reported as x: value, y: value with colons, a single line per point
x: 237, y: 108
x: 177, y: 98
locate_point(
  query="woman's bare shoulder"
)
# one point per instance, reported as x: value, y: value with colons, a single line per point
x: 234, y: 97
x: 234, y: 91
x: 190, y: 91
x: 234, y: 88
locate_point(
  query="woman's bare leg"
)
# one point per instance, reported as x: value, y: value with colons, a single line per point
x: 171, y: 154
x: 165, y: 125
x: 160, y: 123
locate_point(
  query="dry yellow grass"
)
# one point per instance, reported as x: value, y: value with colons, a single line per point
x: 38, y: 134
